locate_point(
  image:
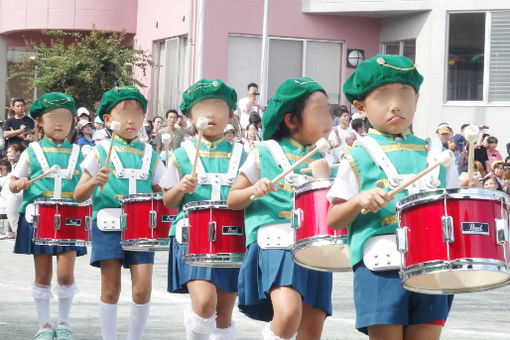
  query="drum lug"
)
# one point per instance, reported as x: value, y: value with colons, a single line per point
x: 88, y: 223
x: 185, y: 234
x: 153, y: 219
x: 402, y: 239
x: 295, y: 218
x: 212, y: 231
x: 123, y: 218
x: 35, y: 221
x: 56, y: 221
x: 501, y: 231
x: 447, y: 222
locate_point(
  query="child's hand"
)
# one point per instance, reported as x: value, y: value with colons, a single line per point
x: 102, y: 176
x: 320, y: 168
x: 374, y: 199
x: 23, y: 183
x: 475, y: 182
x: 263, y: 187
x: 188, y: 184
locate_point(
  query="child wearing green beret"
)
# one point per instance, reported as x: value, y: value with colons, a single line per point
x: 385, y: 88
x: 134, y: 168
x: 213, y: 291
x: 53, y: 113
x: 271, y: 286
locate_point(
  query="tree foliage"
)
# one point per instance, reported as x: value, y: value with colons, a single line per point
x: 83, y: 65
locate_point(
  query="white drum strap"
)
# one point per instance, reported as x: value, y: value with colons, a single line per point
x: 215, y: 180
x: 284, y: 163
x: 132, y: 175
x: 435, y: 148
x: 62, y: 173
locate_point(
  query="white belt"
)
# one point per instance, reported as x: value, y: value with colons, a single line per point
x: 109, y: 219
x: 381, y: 253
x: 275, y: 236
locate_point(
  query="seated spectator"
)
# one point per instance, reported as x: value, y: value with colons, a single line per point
x: 85, y: 133
x: 506, y: 180
x: 13, y: 153
x: 497, y: 169
x: 101, y: 132
x: 349, y: 141
x: 491, y: 182
x: 492, y: 153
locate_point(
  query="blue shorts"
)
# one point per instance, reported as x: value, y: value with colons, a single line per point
x: 380, y: 300
x: 106, y: 246
x: 25, y: 245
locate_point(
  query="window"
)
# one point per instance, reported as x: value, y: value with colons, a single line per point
x: 168, y: 74
x: 407, y: 48
x: 288, y: 58
x: 478, y: 53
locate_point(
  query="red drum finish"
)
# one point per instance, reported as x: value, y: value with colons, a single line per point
x: 215, y: 235
x: 61, y: 222
x: 317, y: 246
x: 454, y: 240
x: 145, y: 222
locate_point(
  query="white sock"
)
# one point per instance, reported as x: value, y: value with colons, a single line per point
x: 108, y: 320
x: 65, y: 299
x: 268, y: 334
x: 198, y: 328
x: 42, y: 295
x: 138, y: 319
x: 229, y: 333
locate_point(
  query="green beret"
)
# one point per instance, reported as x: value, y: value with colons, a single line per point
x: 289, y: 95
x: 380, y: 70
x: 208, y: 88
x: 50, y: 101
x: 117, y: 94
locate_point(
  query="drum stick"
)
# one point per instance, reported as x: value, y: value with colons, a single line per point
x: 114, y: 126
x: 308, y: 170
x: 445, y: 158
x: 202, y: 124
x: 53, y: 169
x: 321, y: 145
x: 166, y: 138
x: 471, y: 132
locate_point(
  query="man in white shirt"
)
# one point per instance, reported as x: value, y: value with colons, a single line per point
x: 249, y: 105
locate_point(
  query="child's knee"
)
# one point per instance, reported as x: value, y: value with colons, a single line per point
x: 141, y: 294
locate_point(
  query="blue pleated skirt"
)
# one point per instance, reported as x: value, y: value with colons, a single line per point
x: 180, y: 273
x: 263, y: 269
x: 25, y: 245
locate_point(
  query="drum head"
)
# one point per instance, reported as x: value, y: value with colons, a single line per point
x: 59, y: 201
x: 201, y: 205
x: 137, y: 198
x: 316, y: 184
x: 324, y: 253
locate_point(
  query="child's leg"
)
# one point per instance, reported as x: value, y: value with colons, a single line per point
x: 41, y: 289
x: 65, y: 287
x: 200, y: 319
x: 141, y: 283
x: 422, y: 332
x: 225, y: 327
x: 110, y: 292
x: 385, y: 332
x: 312, y: 322
x: 287, y: 306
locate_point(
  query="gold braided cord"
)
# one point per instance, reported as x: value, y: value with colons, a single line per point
x: 306, y: 82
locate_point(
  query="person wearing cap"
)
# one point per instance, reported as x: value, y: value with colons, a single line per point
x: 176, y: 134
x: 461, y: 161
x: 125, y: 106
x: 385, y: 88
x: 444, y: 133
x: 83, y: 113
x: 497, y: 169
x: 84, y: 129
x: 229, y: 133
x: 271, y: 286
x: 212, y: 291
x: 15, y: 126
x: 100, y: 132
x: 54, y: 113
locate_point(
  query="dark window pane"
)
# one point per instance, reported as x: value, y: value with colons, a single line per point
x: 466, y: 43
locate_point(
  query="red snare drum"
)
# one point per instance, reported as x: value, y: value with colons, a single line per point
x: 454, y: 240
x: 215, y: 235
x: 61, y: 222
x: 145, y: 222
x: 317, y: 246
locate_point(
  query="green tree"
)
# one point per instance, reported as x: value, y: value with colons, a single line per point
x: 83, y: 65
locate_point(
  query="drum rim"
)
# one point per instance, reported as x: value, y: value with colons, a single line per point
x: 141, y: 197
x: 315, y: 184
x: 317, y: 241
x: 445, y: 266
x: 62, y: 201
x: 200, y: 205
x: 455, y: 193
x: 211, y: 260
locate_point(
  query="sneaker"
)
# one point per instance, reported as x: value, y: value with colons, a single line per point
x: 45, y: 333
x: 63, y: 332
x: 3, y: 236
x: 11, y: 234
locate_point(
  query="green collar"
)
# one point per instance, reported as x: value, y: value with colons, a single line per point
x: 298, y: 146
x: 210, y: 145
x: 404, y: 134
x: 52, y: 143
x: 125, y: 142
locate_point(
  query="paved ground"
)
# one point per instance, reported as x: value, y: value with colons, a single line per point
x: 473, y: 316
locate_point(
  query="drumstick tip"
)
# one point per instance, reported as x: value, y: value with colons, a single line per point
x: 115, y: 125
x: 202, y: 123
x: 166, y: 138
x: 322, y: 144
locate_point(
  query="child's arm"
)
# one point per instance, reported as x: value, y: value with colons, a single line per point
x: 173, y: 197
x: 17, y: 184
x: 240, y: 193
x: 342, y: 213
x: 88, y: 184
